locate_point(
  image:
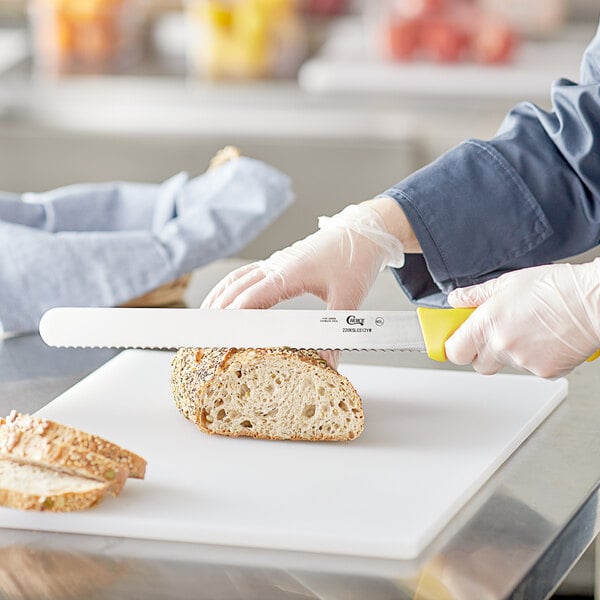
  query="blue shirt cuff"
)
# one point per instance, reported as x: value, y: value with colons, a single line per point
x: 473, y: 216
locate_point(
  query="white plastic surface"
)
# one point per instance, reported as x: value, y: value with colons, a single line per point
x: 348, y: 63
x: 431, y: 439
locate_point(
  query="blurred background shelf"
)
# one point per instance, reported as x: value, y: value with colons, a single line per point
x: 146, y: 129
x: 14, y: 48
x: 346, y: 129
x: 348, y: 63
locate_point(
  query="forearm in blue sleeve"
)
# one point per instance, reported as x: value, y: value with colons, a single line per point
x: 529, y: 196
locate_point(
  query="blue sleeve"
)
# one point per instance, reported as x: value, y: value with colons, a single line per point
x: 104, y: 244
x: 529, y: 196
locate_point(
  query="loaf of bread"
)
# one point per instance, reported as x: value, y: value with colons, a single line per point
x: 49, y: 466
x: 267, y: 393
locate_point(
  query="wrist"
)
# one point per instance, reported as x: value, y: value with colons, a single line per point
x: 363, y: 220
x: 396, y: 222
x: 594, y: 295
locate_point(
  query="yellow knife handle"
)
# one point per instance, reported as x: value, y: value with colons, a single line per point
x: 594, y: 356
x: 437, y: 325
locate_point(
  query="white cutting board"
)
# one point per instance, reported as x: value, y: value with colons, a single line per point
x: 431, y: 439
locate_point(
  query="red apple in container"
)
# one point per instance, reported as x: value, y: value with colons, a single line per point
x: 428, y: 8
x: 401, y: 37
x: 444, y: 40
x: 326, y: 8
x: 421, y: 8
x: 494, y: 42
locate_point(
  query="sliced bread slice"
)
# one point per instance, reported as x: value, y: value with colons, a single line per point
x: 34, y: 447
x: 268, y: 393
x: 50, y: 430
x: 29, y: 487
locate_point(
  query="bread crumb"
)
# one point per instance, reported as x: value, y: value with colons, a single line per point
x: 266, y: 393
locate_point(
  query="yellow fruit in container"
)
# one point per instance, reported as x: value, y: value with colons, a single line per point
x: 219, y: 15
x: 249, y: 22
x: 212, y: 53
x: 244, y: 38
x: 275, y: 6
x: 86, y: 10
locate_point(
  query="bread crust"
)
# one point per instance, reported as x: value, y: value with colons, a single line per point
x: 40, y: 446
x: 64, y: 502
x: 47, y: 466
x: 136, y: 465
x: 195, y: 370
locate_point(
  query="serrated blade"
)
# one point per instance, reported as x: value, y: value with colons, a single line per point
x: 190, y: 327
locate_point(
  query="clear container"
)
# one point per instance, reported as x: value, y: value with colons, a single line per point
x: 244, y: 39
x: 85, y: 36
x: 443, y: 31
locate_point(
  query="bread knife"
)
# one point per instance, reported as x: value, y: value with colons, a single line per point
x: 423, y: 330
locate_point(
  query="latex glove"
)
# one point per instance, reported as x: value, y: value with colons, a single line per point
x: 338, y: 264
x: 545, y: 320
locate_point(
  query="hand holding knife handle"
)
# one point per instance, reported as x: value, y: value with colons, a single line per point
x: 437, y: 325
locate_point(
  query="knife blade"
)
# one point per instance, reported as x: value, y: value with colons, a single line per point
x: 423, y: 330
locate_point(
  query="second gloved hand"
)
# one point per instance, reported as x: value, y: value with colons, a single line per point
x: 545, y: 320
x: 338, y: 264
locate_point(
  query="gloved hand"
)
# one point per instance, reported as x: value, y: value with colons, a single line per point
x: 338, y: 263
x: 545, y: 320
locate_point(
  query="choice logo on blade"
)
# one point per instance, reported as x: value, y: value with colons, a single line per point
x: 353, y: 320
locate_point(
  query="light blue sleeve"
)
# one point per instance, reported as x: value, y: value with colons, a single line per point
x: 104, y: 244
x: 529, y: 196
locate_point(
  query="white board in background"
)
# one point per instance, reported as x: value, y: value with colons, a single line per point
x: 349, y: 63
x: 431, y: 439
x: 14, y: 48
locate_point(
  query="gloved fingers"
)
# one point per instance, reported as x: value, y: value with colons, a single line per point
x: 332, y: 357
x: 237, y: 280
x: 486, y: 363
x: 551, y: 373
x: 461, y: 348
x: 267, y: 291
x: 540, y: 365
x: 478, y: 342
x: 247, y: 287
x: 274, y: 287
x: 541, y: 320
x: 474, y: 295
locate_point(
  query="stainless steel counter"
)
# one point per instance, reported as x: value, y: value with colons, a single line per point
x: 519, y: 535
x: 517, y: 538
